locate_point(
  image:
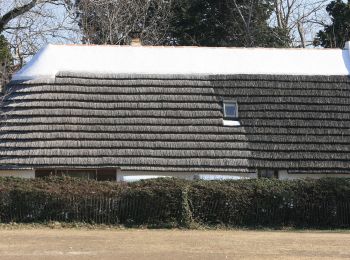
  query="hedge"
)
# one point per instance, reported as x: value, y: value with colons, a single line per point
x: 323, y: 203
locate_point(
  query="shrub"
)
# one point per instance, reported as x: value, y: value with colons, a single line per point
x: 175, y: 202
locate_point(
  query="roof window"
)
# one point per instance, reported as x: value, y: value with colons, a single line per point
x: 230, y: 109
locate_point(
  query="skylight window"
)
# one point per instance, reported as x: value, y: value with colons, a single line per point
x: 230, y: 109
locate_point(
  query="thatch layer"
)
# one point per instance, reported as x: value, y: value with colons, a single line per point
x: 112, y: 106
x: 173, y: 145
x: 175, y: 123
x: 22, y: 127
x: 151, y: 90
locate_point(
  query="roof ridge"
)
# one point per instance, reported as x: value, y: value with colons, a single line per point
x: 183, y: 61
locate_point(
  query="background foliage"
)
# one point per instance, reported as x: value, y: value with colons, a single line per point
x: 183, y: 22
x: 6, y: 62
x: 337, y: 33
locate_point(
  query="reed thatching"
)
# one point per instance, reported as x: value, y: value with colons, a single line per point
x: 174, y: 123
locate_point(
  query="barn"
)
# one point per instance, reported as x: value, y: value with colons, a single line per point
x: 131, y: 112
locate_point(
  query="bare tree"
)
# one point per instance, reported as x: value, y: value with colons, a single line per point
x: 15, y: 11
x: 249, y: 23
x: 300, y: 18
x: 117, y: 21
x: 245, y: 14
x: 28, y: 25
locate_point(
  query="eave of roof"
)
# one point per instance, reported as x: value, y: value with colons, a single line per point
x: 104, y: 59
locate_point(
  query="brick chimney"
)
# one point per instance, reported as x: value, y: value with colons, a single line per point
x: 135, y: 38
x: 136, y: 42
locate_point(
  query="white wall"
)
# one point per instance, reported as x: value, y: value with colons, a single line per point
x: 29, y: 174
x: 283, y: 175
x: 26, y: 174
x: 182, y: 175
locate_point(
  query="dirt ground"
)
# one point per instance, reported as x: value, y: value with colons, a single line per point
x: 171, y: 244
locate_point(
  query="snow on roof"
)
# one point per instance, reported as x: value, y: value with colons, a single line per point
x: 184, y: 60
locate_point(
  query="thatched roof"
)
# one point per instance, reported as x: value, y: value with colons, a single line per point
x: 174, y: 123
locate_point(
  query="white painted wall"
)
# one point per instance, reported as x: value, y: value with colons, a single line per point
x: 30, y: 174
x: 26, y: 174
x: 182, y: 175
x: 283, y: 175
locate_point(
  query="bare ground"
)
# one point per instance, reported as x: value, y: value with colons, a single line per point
x: 62, y: 244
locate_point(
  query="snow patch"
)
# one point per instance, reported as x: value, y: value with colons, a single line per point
x: 230, y: 123
x: 106, y: 59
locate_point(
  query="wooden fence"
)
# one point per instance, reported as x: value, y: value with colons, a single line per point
x: 94, y: 209
x: 327, y: 214
x: 134, y: 211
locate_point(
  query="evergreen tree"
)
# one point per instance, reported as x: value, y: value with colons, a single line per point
x: 6, y: 62
x: 226, y: 23
x: 336, y: 34
x: 181, y: 22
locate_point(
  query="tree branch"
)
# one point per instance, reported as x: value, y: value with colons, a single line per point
x: 17, y: 11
